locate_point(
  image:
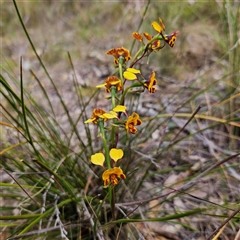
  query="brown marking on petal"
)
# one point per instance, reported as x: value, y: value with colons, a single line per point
x: 111, y: 52
x: 152, y: 90
x: 170, y: 39
x: 115, y: 61
x: 113, y: 179
x: 156, y: 45
x: 122, y: 176
x: 105, y: 182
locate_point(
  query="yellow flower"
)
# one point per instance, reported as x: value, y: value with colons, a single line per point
x: 111, y: 176
x: 111, y: 81
x: 130, y: 73
x: 169, y: 39
x: 133, y: 121
x: 98, y: 159
x: 119, y: 52
x: 97, y: 113
x: 151, y: 82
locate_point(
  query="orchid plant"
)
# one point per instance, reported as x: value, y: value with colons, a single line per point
x: 117, y: 88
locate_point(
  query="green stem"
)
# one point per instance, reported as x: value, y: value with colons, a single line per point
x: 141, y: 22
x: 120, y: 64
x: 123, y: 96
x: 113, y: 96
x: 111, y: 189
x: 114, y: 132
x: 143, y: 49
x: 101, y: 126
x: 139, y: 52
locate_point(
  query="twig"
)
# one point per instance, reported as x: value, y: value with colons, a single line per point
x: 21, y: 187
x: 224, y: 223
x: 99, y: 232
x: 189, y: 120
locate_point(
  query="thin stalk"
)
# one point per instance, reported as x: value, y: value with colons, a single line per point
x: 113, y: 96
x: 141, y: 22
x: 113, y: 208
x: 114, y: 132
x: 107, y: 157
x: 105, y: 146
x: 29, y: 137
x: 143, y: 50
x: 121, y: 102
x: 120, y: 69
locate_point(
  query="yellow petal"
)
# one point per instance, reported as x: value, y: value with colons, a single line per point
x: 101, y: 85
x: 129, y: 75
x: 89, y: 120
x: 98, y: 159
x: 133, y: 70
x: 116, y: 154
x: 110, y: 115
x: 157, y: 27
x: 120, y: 108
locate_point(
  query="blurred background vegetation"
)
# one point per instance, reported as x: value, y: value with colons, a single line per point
x: 49, y: 140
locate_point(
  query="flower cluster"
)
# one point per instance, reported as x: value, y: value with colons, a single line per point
x: 117, y: 86
x: 154, y: 42
x: 110, y: 176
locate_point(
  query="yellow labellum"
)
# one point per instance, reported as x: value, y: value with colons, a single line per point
x: 116, y: 154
